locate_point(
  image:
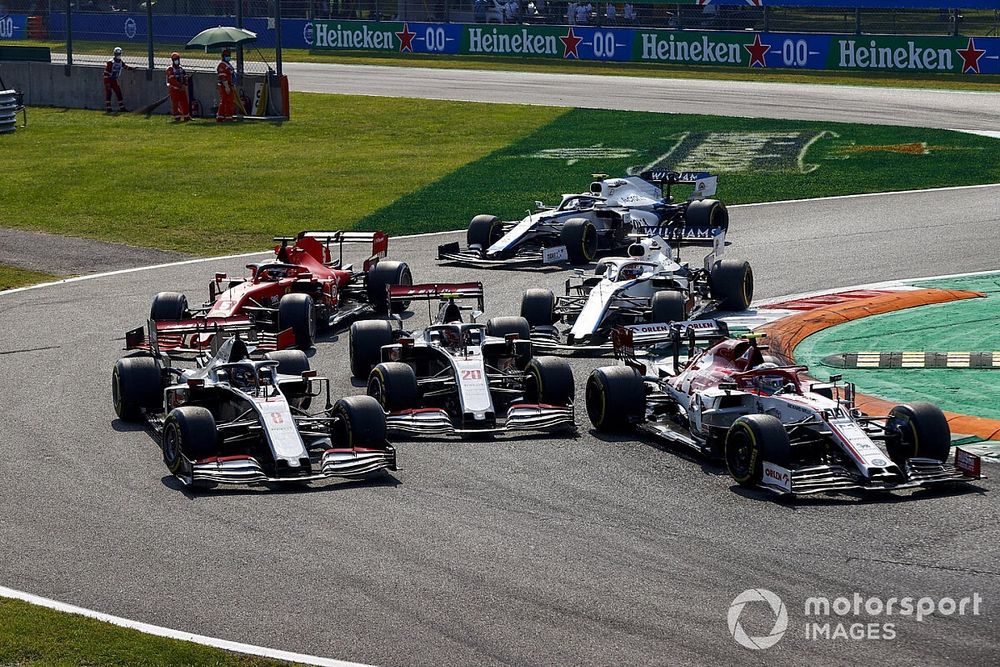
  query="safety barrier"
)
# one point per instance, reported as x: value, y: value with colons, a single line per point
x: 8, y: 111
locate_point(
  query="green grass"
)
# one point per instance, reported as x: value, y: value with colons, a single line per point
x: 11, y: 277
x: 33, y: 635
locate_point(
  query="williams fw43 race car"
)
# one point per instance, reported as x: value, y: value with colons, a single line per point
x: 304, y: 287
x: 233, y: 416
x: 774, y: 426
x: 650, y: 285
x: 457, y: 376
x: 599, y: 221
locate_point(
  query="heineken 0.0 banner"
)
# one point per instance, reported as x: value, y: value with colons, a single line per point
x: 960, y: 55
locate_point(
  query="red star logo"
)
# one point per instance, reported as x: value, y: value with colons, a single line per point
x: 757, y: 51
x: 570, y: 44
x: 406, y: 39
x: 970, y: 57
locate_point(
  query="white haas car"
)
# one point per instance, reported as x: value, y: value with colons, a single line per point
x: 238, y: 418
x: 460, y: 377
x: 598, y: 221
x: 774, y: 426
x: 650, y: 285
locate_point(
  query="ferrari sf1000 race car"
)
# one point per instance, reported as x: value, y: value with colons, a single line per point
x: 460, y: 376
x: 599, y: 221
x: 774, y: 426
x: 302, y: 288
x: 650, y: 285
x: 234, y: 416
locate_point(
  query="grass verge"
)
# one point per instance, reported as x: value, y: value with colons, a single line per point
x: 33, y: 635
x: 11, y: 277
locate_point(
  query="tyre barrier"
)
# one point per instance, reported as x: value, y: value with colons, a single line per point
x: 8, y: 111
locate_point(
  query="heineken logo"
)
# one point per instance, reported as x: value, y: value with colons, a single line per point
x: 329, y: 36
x: 868, y: 55
x: 522, y: 42
x: 656, y: 46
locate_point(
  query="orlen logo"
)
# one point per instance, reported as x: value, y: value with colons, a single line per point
x: 780, y: 477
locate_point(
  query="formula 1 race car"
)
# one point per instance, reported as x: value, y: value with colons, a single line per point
x: 649, y: 285
x: 238, y: 417
x: 774, y: 426
x: 599, y: 221
x: 302, y: 288
x: 458, y: 377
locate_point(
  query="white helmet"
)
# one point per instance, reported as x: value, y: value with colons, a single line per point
x: 118, y: 51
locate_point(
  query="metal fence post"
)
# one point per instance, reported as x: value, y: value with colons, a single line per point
x: 857, y: 20
x: 69, y: 36
x: 277, y: 36
x: 149, y: 40
x: 239, y: 47
x: 767, y: 17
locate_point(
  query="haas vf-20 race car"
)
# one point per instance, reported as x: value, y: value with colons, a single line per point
x: 459, y: 376
x: 594, y: 222
x: 774, y: 426
x: 234, y: 416
x: 651, y: 285
x: 305, y: 286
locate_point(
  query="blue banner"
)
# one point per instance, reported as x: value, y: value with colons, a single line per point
x: 13, y: 26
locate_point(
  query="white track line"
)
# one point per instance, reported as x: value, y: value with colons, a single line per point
x: 158, y: 631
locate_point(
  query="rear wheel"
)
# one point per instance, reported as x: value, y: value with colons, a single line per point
x: 380, y: 277
x: 188, y: 431
x: 168, y: 307
x: 616, y: 398
x: 298, y: 313
x: 365, y: 342
x: 708, y: 214
x: 917, y: 429
x: 501, y: 326
x: 361, y: 423
x: 550, y: 381
x: 136, y: 385
x: 668, y: 306
x: 293, y: 362
x: 484, y: 231
x: 538, y: 307
x: 579, y: 235
x: 394, y: 385
x: 731, y: 284
x: 751, y: 440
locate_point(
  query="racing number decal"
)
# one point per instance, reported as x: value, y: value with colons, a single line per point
x: 472, y: 374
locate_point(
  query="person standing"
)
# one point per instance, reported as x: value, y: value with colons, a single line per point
x: 227, y: 89
x: 177, y: 86
x: 112, y: 72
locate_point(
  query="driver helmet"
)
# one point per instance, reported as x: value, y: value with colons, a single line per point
x: 630, y: 272
x: 636, y: 250
x: 452, y: 337
x: 772, y: 383
x: 765, y: 366
x: 243, y: 377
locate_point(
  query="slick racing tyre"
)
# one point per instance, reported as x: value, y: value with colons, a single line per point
x: 293, y: 362
x: 365, y: 342
x: 668, y: 306
x: 298, y: 313
x: 188, y: 431
x: 707, y: 214
x: 917, y: 429
x: 579, y: 235
x: 394, y: 385
x: 751, y: 440
x: 136, y: 385
x: 508, y: 324
x: 361, y: 423
x: 731, y: 284
x: 549, y: 380
x: 616, y: 398
x: 168, y: 307
x: 379, y: 278
x: 484, y: 231
x: 538, y: 307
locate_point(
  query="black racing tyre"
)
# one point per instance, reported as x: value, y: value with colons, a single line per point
x: 484, y: 231
x: 731, y: 284
x: 188, y: 430
x: 394, y: 385
x: 361, y: 423
x: 365, y: 341
x: 668, y: 306
x: 136, y: 385
x: 579, y: 235
x: 538, y: 307
x: 549, y: 380
x: 707, y: 214
x: 298, y: 313
x: 508, y: 324
x: 293, y: 362
x: 751, y: 440
x: 616, y: 398
x: 168, y: 306
x: 379, y: 278
x: 917, y: 429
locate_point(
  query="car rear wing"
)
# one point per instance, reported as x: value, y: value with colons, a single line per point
x: 696, y: 333
x: 378, y: 240
x: 705, y: 184
x: 438, y: 291
x: 187, y: 337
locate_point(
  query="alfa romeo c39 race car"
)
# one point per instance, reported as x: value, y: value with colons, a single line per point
x: 234, y: 416
x: 460, y: 377
x: 598, y: 221
x: 304, y: 287
x: 774, y: 426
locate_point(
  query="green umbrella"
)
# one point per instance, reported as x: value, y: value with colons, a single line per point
x: 214, y: 38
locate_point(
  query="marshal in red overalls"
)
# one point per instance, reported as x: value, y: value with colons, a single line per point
x: 112, y: 70
x: 227, y: 89
x: 178, y: 89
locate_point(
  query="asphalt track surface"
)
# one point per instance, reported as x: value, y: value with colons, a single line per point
x: 946, y: 109
x: 592, y: 551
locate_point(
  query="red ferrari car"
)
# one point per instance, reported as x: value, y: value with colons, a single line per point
x: 306, y: 286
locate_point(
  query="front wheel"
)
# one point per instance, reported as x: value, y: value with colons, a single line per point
x: 298, y: 313
x: 579, y: 235
x: 394, y: 385
x: 751, y: 440
x: 484, y: 231
x: 136, y: 385
x: 361, y: 423
x: 731, y: 284
x: 549, y: 381
x: 917, y: 430
x: 616, y: 398
x: 188, y: 432
x: 538, y: 307
x: 168, y: 307
x: 365, y: 342
x: 378, y: 280
x: 668, y: 306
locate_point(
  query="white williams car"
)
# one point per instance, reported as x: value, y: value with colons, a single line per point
x: 595, y: 222
x: 650, y: 285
